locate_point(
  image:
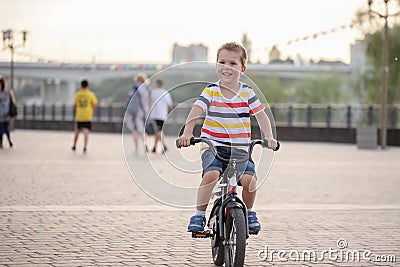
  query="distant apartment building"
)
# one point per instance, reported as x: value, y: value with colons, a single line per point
x: 247, y: 44
x: 193, y: 52
x: 359, y: 60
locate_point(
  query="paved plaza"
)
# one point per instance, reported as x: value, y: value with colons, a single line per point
x: 59, y: 208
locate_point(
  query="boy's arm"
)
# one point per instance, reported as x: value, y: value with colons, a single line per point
x: 191, y: 121
x: 266, y: 129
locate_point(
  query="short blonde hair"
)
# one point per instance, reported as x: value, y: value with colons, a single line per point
x: 140, y: 78
x: 235, y: 47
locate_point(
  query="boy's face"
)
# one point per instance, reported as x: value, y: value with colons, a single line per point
x: 229, y: 66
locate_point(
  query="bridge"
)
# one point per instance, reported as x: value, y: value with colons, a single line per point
x: 59, y: 81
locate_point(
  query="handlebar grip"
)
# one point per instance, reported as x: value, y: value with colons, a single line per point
x: 192, y: 142
x: 277, y: 147
x: 265, y: 144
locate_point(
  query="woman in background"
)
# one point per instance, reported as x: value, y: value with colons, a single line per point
x: 6, y: 95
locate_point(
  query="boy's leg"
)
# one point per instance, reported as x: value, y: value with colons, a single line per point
x: 198, y: 221
x: 249, y: 190
x: 249, y: 195
x: 207, y: 184
x: 86, y: 134
x: 76, y: 134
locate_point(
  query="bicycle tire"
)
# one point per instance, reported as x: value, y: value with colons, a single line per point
x: 217, y: 248
x: 218, y: 255
x: 235, y: 250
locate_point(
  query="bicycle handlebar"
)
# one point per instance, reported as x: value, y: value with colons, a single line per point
x: 193, y: 141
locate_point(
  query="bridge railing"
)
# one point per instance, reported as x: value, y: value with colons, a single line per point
x: 288, y: 115
x: 332, y: 116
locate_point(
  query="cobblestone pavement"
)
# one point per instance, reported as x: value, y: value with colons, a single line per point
x: 59, y: 208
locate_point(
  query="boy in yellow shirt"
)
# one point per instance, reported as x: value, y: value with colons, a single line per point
x: 85, y: 102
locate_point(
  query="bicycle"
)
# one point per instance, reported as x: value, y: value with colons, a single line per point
x: 228, y: 221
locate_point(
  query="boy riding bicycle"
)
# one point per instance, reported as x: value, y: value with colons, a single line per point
x: 228, y: 105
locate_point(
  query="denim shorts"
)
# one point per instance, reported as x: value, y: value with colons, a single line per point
x: 209, y: 162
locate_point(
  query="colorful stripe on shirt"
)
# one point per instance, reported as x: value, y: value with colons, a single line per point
x: 227, y: 121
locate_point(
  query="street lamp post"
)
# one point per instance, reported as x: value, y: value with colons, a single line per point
x: 385, y: 70
x: 9, y: 43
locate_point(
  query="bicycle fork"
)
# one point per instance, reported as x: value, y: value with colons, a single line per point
x: 231, y: 202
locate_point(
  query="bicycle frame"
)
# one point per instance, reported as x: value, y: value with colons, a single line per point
x: 228, y: 185
x: 229, y: 198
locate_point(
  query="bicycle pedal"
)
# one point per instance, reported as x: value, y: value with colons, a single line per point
x: 204, y: 234
x: 253, y: 232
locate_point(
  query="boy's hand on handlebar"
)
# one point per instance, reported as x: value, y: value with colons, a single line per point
x: 272, y: 143
x: 184, y: 140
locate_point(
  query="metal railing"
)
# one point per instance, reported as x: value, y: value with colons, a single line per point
x: 288, y: 115
x: 332, y: 116
x: 63, y: 112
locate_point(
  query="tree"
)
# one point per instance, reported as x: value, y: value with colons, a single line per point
x: 321, y: 89
x: 271, y: 87
x: 374, y: 77
x: 371, y: 26
x: 113, y: 90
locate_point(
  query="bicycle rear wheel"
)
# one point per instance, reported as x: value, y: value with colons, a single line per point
x: 235, y: 248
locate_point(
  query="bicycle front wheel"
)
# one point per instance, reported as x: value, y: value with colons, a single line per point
x: 217, y: 248
x: 235, y: 236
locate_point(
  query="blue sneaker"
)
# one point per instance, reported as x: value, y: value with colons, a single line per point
x: 254, y: 225
x: 197, y: 223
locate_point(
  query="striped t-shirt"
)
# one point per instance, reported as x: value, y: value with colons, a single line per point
x: 227, y: 121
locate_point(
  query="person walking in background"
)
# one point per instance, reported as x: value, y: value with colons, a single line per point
x: 138, y: 107
x: 85, y: 103
x: 6, y: 96
x: 162, y: 103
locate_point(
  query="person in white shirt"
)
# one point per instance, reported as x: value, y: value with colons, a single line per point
x: 162, y: 103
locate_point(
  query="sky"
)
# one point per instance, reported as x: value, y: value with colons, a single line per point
x: 131, y: 31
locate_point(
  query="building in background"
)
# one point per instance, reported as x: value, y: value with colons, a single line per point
x: 359, y: 60
x: 247, y: 44
x: 193, y: 52
x: 274, y: 54
x: 275, y: 57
